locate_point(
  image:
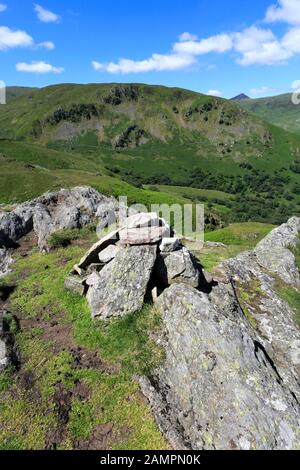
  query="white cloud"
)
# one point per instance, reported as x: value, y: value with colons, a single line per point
x: 291, y: 40
x: 10, y: 39
x: 38, y: 67
x: 219, y: 43
x: 269, y: 53
x: 262, y: 91
x: 156, y: 63
x: 296, y: 85
x: 47, y: 45
x: 287, y: 11
x: 252, y: 46
x: 2, y: 7
x: 46, y: 16
x: 187, y: 37
x: 215, y: 93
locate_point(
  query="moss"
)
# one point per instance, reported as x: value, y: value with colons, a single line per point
x: 249, y: 295
x: 292, y: 297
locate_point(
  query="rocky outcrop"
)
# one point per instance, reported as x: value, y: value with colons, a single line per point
x: 119, y: 94
x: 261, y: 274
x: 65, y: 209
x: 218, y: 388
x: 132, y: 137
x: 229, y: 382
x: 274, y: 252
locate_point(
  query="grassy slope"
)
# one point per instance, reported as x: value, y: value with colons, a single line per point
x: 278, y: 110
x: 50, y: 325
x: 177, y: 146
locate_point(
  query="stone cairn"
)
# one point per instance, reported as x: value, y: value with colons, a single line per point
x: 130, y: 265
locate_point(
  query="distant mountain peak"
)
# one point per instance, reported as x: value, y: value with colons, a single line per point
x: 241, y: 97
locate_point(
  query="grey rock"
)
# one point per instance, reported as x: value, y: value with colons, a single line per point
x: 13, y: 227
x: 92, y: 256
x: 274, y: 318
x: 4, y: 350
x: 142, y: 236
x: 76, y: 284
x: 64, y: 209
x: 108, y: 254
x: 177, y: 267
x: 215, y: 244
x: 274, y: 254
x: 5, y: 262
x: 122, y: 283
x: 144, y: 219
x: 169, y: 244
x: 3, y: 355
x: 94, y: 268
x: 218, y: 388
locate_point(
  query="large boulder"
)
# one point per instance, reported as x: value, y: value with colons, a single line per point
x: 272, y: 317
x: 274, y: 251
x: 53, y: 211
x: 177, y: 267
x: 218, y: 388
x: 122, y: 283
x: 142, y: 236
x: 14, y: 226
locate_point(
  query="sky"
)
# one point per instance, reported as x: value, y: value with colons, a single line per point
x: 216, y: 47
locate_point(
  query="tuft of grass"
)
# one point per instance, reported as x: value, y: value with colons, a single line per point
x: 63, y: 238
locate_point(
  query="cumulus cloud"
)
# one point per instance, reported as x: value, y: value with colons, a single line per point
x: 156, y: 63
x: 47, y: 45
x: 287, y: 11
x: 46, y: 16
x: 215, y: 93
x: 252, y: 46
x: 2, y: 7
x: 219, y: 43
x: 10, y: 39
x: 38, y: 67
x: 187, y: 37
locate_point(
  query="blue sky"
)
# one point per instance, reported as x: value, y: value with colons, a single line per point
x: 217, y: 46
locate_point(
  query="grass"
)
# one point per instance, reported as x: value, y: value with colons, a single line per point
x: 236, y: 237
x: 113, y: 397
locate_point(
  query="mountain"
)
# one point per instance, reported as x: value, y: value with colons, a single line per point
x: 149, y: 136
x: 240, y: 97
x: 17, y: 92
x: 279, y: 110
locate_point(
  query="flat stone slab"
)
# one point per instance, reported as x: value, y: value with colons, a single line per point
x: 142, y: 236
x: 122, y: 284
x: 143, y: 220
x: 169, y: 244
x: 92, y: 256
x: 108, y: 254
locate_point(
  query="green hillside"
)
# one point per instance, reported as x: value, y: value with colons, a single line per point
x: 148, y: 137
x: 278, y: 110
